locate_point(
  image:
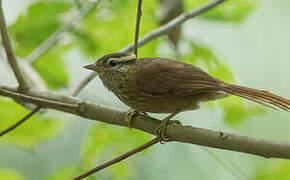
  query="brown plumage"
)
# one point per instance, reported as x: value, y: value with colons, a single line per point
x: 162, y: 85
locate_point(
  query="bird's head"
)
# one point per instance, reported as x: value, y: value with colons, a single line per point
x: 115, y: 62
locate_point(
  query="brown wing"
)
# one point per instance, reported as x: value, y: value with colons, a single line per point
x: 160, y: 76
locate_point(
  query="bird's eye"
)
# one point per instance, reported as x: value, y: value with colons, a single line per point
x: 113, y: 63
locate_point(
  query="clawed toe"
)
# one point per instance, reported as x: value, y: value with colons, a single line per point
x: 175, y: 123
x: 130, y: 116
x: 160, y: 131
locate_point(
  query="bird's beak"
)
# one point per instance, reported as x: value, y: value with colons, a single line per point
x: 90, y: 67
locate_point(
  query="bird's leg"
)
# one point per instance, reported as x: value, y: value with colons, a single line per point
x: 131, y: 114
x: 160, y: 131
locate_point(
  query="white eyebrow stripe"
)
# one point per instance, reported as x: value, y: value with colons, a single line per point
x: 129, y: 57
x: 123, y: 60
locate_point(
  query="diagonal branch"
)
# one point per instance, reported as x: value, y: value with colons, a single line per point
x: 52, y: 39
x: 158, y: 32
x: 19, y: 122
x: 138, y: 20
x: 118, y: 159
x: 186, y: 134
x: 164, y: 29
x: 9, y: 51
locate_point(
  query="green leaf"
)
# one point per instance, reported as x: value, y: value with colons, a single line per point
x: 67, y: 172
x: 204, y: 57
x: 278, y: 170
x: 32, y: 28
x: 121, y: 171
x: 231, y: 11
x: 113, y: 24
x: 235, y: 109
x: 86, y: 41
x: 40, y: 21
x: 105, y: 142
x: 35, y: 130
x: 52, y: 69
x: 8, y: 174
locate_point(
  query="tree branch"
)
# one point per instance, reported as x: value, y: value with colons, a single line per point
x: 160, y: 31
x: 19, y: 122
x: 9, y: 51
x: 173, y: 24
x: 118, y: 159
x: 186, y: 134
x: 138, y: 20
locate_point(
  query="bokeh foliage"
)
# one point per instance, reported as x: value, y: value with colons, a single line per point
x: 38, y: 128
x: 108, y: 28
x: 230, y: 11
x: 37, y: 24
x: 9, y: 174
x: 31, y: 29
x: 278, y: 170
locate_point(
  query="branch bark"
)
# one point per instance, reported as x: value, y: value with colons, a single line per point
x: 9, y: 51
x: 186, y: 134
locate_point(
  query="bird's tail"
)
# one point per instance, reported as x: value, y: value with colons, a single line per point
x: 259, y: 96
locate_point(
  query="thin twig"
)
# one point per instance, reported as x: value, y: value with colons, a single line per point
x: 164, y: 30
x: 20, y: 122
x: 52, y: 39
x: 138, y: 20
x: 118, y: 159
x: 9, y: 51
x: 228, y: 165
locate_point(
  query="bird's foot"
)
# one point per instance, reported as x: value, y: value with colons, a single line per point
x: 160, y: 131
x: 131, y: 115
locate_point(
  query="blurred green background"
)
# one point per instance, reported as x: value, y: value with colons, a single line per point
x: 242, y: 41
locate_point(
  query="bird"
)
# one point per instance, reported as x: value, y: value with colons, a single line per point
x: 161, y: 85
